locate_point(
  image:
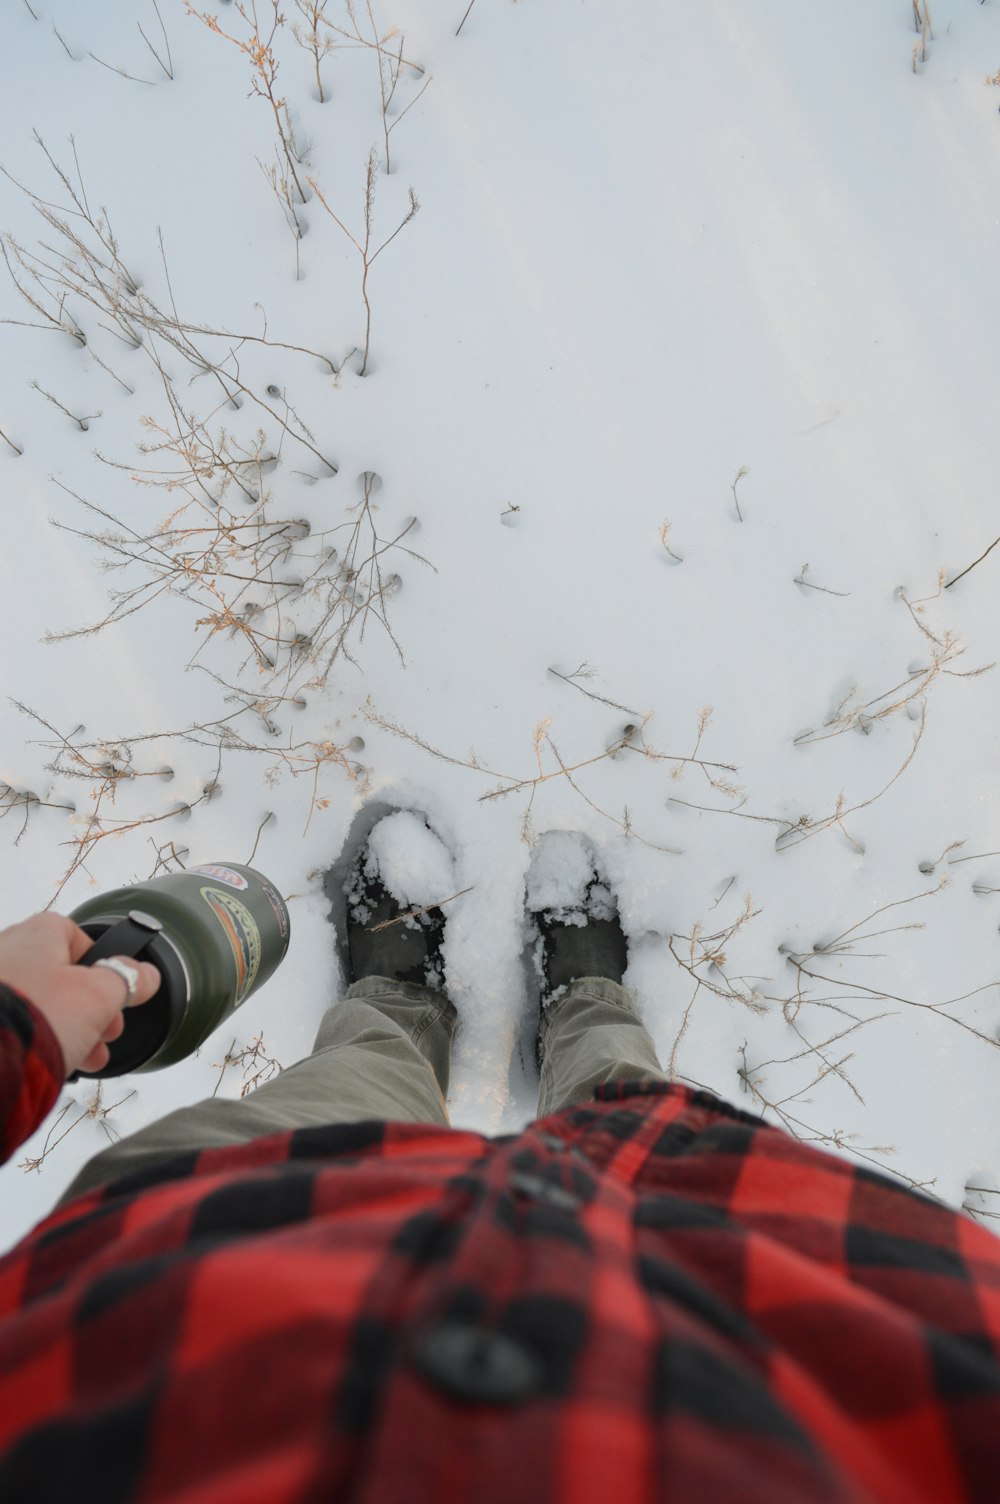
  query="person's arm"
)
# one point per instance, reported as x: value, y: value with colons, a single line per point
x: 55, y: 1018
x: 32, y: 1070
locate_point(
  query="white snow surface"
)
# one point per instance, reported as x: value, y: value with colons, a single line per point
x: 679, y: 421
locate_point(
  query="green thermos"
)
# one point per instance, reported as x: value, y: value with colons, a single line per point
x: 216, y: 933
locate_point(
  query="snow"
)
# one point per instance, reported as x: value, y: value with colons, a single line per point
x: 565, y: 880
x: 561, y: 870
x: 730, y: 270
x: 413, y: 863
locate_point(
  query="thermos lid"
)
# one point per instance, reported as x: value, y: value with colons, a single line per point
x: 146, y: 1026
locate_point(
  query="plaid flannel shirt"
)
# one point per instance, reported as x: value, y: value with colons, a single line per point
x: 651, y: 1297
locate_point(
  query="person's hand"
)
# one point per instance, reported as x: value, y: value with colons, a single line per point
x: 83, y: 1004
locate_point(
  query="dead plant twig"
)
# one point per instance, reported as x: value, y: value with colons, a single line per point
x: 94, y: 1109
x: 464, y: 18
x: 258, y: 46
x: 258, y: 1066
x: 364, y: 245
x: 416, y: 913
x: 965, y: 571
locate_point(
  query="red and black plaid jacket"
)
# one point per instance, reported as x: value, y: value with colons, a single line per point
x: 652, y: 1297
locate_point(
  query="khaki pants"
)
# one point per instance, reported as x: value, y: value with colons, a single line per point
x: 384, y: 1053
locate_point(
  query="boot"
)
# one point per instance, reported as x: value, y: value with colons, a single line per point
x: 386, y: 939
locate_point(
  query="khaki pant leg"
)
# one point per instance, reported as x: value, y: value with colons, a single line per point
x: 589, y: 1036
x: 383, y: 1053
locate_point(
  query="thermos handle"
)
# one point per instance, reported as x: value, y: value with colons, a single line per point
x: 129, y: 937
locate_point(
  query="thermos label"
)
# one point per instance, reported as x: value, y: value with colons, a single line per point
x: 240, y: 929
x: 223, y: 875
x: 280, y: 912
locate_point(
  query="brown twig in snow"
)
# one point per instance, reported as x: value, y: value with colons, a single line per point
x: 965, y: 571
x: 464, y: 18
x: 363, y: 247
x: 416, y: 913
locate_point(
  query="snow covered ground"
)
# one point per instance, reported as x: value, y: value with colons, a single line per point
x: 680, y: 400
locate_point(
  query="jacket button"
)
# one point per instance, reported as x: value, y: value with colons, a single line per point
x: 479, y: 1366
x: 537, y: 1188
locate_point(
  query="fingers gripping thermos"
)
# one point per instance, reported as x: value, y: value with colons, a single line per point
x: 215, y: 933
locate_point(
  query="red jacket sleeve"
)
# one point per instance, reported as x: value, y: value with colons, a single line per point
x: 32, y: 1070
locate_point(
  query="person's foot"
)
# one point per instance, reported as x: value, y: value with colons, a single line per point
x: 575, y: 914
x: 394, y: 928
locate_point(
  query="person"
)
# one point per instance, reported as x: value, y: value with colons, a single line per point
x: 323, y: 1292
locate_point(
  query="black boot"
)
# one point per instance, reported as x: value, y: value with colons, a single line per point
x: 574, y: 915
x: 385, y: 940
x: 587, y: 942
